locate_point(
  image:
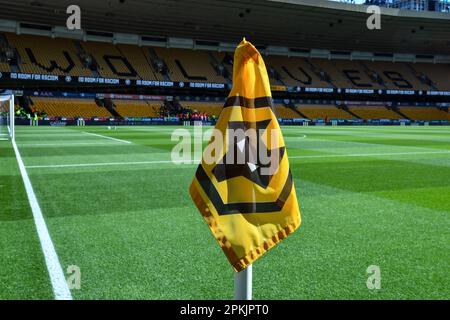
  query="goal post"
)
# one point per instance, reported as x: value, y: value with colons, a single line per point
x: 7, y: 114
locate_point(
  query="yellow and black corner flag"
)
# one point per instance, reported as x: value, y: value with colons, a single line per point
x: 249, y: 204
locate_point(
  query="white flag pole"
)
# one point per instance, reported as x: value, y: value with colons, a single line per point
x: 243, y: 281
x: 243, y: 284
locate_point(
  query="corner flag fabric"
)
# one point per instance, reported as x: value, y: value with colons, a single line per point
x: 248, y: 206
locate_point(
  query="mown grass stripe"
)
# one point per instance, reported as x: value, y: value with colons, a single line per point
x: 60, y: 288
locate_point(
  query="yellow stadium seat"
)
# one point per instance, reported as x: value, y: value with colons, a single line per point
x: 70, y: 108
x: 324, y: 112
x: 425, y: 113
x: 211, y: 108
x: 138, y: 108
x: 374, y: 112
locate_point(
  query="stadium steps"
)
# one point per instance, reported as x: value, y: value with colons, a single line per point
x: 292, y: 106
x: 80, y: 53
x: 154, y: 58
x: 24, y: 103
x: 275, y: 76
x: 227, y: 61
x: 369, y: 73
x: 147, y: 58
x: 111, y: 107
x: 215, y: 64
x: 14, y: 68
x: 397, y: 111
x: 346, y: 109
x: 416, y: 75
x: 13, y: 63
x: 108, y: 105
x: 317, y: 71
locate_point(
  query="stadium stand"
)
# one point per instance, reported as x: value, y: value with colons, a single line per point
x: 397, y: 75
x: 137, y: 108
x: 39, y: 54
x: 325, y: 112
x: 437, y: 73
x: 44, y: 55
x: 286, y: 113
x: 296, y: 72
x: 4, y: 67
x: 189, y: 65
x: 62, y: 57
x: 223, y: 63
x: 374, y: 112
x: 109, y: 62
x: 73, y: 108
x: 425, y: 113
x: 211, y: 108
x: 6, y: 54
x: 140, y: 61
x: 334, y: 71
x: 70, y: 108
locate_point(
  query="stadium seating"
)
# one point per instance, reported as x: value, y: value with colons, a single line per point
x: 286, y: 113
x: 374, y: 112
x: 70, y: 108
x: 335, y: 70
x: 425, y: 113
x: 137, y: 108
x: 189, y: 65
x: 438, y: 73
x: 59, y: 56
x: 110, y: 62
x: 325, y: 112
x: 295, y: 71
x: 140, y: 61
x: 397, y: 75
x: 211, y: 108
x: 4, y: 67
x: 44, y: 55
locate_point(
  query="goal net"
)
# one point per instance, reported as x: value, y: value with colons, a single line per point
x: 7, y: 117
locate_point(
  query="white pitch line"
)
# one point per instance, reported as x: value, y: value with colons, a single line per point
x: 69, y: 144
x: 100, y: 164
x: 106, y: 137
x: 61, y: 290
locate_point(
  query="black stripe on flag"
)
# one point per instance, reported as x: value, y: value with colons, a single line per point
x: 244, y: 207
x: 240, y: 101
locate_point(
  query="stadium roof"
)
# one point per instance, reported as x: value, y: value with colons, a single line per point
x: 293, y: 23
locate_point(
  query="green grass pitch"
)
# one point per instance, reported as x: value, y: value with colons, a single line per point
x: 368, y: 196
